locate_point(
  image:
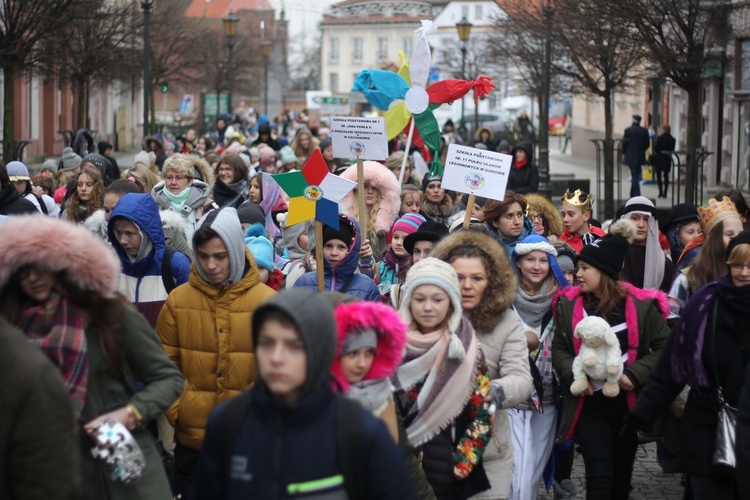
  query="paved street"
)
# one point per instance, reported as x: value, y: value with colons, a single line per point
x: 648, y: 481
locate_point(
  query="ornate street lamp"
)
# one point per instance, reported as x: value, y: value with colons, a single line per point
x: 267, y: 48
x: 230, y: 30
x: 146, y: 6
x: 464, y: 30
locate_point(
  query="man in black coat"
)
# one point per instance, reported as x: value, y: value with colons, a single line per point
x: 523, y: 177
x: 635, y: 142
x: 662, y: 159
x: 11, y: 202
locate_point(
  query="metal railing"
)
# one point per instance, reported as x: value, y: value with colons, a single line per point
x: 617, y: 192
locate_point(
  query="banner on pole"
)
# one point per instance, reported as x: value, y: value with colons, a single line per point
x: 362, y: 138
x: 476, y: 171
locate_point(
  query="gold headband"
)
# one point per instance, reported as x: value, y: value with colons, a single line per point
x: 578, y: 199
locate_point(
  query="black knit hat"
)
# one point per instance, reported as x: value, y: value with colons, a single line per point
x: 428, y: 231
x: 251, y: 213
x: 428, y: 177
x: 607, y: 254
x: 743, y: 237
x: 343, y: 233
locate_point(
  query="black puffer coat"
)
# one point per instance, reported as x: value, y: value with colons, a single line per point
x: 525, y: 179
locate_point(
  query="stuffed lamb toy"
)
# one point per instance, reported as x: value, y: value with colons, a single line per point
x: 599, y: 357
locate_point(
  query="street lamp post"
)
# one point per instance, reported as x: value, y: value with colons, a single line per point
x: 545, y: 188
x: 230, y: 30
x: 267, y: 47
x: 146, y: 6
x: 464, y: 30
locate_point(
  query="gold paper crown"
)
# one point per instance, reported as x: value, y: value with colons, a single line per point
x: 578, y: 199
x: 715, y: 212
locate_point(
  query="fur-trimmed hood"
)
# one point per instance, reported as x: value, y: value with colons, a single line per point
x: 388, y: 326
x: 501, y: 290
x: 539, y: 203
x: 58, y: 245
x: 390, y: 194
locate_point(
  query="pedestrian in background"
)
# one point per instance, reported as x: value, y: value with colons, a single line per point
x: 635, y: 142
x: 662, y: 159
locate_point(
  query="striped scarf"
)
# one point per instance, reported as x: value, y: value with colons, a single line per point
x: 57, y: 328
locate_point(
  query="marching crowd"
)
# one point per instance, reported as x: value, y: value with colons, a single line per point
x: 440, y: 362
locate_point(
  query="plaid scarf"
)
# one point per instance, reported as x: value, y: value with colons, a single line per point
x: 57, y: 328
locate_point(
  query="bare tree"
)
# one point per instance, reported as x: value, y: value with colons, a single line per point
x: 303, y: 75
x: 677, y: 33
x: 95, y: 47
x: 603, y: 58
x: 24, y: 27
x: 518, y: 43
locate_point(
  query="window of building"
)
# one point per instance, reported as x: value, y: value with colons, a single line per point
x: 334, y: 54
x: 478, y: 11
x: 382, y: 48
x: 357, y: 50
x: 408, y: 41
x: 745, y: 54
x: 465, y: 11
x: 33, y: 107
x: 333, y: 79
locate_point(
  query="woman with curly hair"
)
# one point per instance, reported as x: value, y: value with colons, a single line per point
x: 442, y: 385
x: 303, y: 145
x: 545, y: 216
x: 383, y: 203
x: 64, y: 298
x: 488, y: 288
x: 87, y: 197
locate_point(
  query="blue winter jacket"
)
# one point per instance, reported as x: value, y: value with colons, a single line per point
x: 336, y: 276
x: 291, y: 451
x: 141, y: 280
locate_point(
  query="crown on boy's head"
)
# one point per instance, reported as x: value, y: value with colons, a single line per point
x: 578, y: 199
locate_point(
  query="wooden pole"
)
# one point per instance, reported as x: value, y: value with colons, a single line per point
x: 469, y: 209
x: 319, y: 255
x: 362, y: 206
x: 406, y: 152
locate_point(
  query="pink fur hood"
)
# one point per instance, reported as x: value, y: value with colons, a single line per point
x: 58, y: 245
x: 390, y: 194
x: 391, y: 331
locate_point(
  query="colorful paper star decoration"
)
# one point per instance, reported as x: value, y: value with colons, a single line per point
x: 314, y: 192
x: 404, y: 95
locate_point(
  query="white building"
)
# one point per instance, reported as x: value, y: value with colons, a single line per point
x: 359, y: 34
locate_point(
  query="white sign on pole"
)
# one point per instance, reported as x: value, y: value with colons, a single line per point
x: 476, y: 171
x: 334, y: 105
x: 314, y: 98
x: 362, y: 138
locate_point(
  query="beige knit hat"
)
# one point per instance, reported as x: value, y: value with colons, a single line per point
x: 432, y: 271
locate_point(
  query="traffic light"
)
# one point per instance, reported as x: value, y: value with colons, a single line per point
x: 164, y: 88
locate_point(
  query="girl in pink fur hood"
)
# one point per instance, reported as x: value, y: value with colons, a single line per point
x: 371, y: 341
x: 383, y: 200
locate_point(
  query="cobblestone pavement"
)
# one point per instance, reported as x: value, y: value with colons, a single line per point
x: 648, y: 481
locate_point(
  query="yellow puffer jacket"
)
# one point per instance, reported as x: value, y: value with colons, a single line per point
x: 206, y: 331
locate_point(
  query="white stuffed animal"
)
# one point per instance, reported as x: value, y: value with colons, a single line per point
x: 599, y: 357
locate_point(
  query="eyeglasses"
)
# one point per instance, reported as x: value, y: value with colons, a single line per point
x: 536, y: 217
x: 25, y: 271
x: 228, y: 169
x: 178, y: 178
x: 739, y: 267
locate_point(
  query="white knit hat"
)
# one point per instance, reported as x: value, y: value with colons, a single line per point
x: 432, y: 271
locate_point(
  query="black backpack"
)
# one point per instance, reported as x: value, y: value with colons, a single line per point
x: 167, y: 277
x: 349, y: 440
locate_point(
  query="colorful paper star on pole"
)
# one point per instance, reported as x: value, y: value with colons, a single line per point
x: 314, y: 192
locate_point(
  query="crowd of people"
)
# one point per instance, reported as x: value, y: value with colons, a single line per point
x: 173, y: 299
